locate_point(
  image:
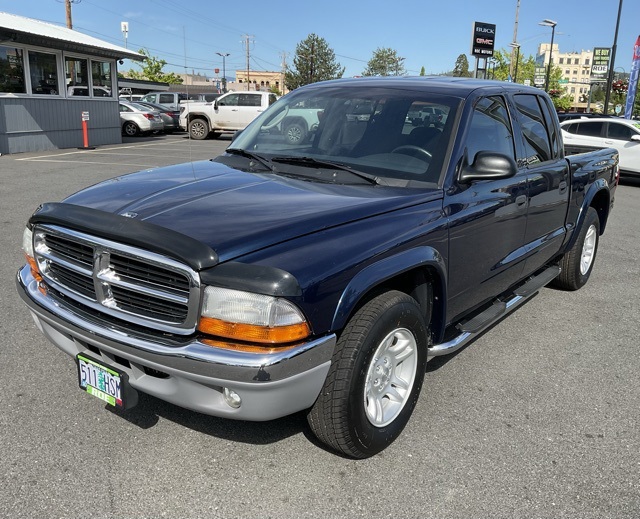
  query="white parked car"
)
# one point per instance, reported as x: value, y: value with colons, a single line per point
x: 136, y: 119
x: 606, y: 132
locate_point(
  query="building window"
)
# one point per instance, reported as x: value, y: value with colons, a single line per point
x: 12, y: 71
x: 561, y: 62
x: 43, y: 70
x: 76, y: 71
x: 101, y: 78
x: 576, y: 61
x: 587, y: 61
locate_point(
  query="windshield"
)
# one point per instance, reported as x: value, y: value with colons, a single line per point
x: 397, y: 135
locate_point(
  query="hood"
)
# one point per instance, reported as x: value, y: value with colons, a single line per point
x: 237, y: 212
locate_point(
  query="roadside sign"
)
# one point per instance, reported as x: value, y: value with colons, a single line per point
x: 85, y: 116
x: 600, y: 64
x: 527, y: 82
x: 483, y: 35
x: 618, y: 109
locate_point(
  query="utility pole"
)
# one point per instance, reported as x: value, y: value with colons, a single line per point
x: 67, y: 4
x: 313, y: 50
x: 283, y: 71
x: 612, y: 63
x: 515, y: 40
x: 247, y: 38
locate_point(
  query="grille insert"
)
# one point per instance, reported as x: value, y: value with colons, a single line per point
x: 122, y: 281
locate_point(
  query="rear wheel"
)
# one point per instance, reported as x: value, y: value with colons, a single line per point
x: 375, y: 377
x: 199, y: 129
x: 130, y: 129
x: 295, y: 132
x: 577, y: 264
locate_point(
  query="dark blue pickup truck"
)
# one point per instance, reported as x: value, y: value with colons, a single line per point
x: 319, y: 274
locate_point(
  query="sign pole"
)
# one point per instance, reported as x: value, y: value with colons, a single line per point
x: 85, y: 133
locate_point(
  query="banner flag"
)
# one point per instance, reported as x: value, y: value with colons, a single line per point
x: 633, y: 80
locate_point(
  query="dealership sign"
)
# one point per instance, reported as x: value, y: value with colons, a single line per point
x: 600, y: 64
x: 633, y: 80
x: 484, y: 35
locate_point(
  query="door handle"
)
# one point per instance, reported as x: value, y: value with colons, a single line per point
x: 521, y: 200
x: 563, y: 187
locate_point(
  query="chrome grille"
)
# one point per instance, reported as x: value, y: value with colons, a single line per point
x: 125, y: 282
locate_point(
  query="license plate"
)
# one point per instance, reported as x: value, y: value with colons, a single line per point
x: 101, y: 381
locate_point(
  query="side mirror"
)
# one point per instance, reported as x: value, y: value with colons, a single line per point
x: 635, y: 137
x: 488, y: 165
x: 215, y: 104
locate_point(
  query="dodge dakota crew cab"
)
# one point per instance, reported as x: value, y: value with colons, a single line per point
x: 320, y: 274
x: 228, y: 113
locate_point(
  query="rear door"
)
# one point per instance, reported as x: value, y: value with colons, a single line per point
x: 547, y: 178
x: 487, y: 218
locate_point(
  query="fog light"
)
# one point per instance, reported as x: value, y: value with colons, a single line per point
x: 232, y: 398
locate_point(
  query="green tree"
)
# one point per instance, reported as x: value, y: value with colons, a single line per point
x: 152, y: 70
x: 313, y: 61
x: 385, y: 62
x: 423, y: 72
x: 461, y: 68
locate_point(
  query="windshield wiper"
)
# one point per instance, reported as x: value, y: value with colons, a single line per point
x: 318, y: 164
x: 253, y: 156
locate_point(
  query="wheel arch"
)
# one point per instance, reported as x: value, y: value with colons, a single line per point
x: 295, y: 119
x: 410, y: 272
x: 597, y: 196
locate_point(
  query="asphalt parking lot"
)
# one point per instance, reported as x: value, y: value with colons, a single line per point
x: 536, y: 419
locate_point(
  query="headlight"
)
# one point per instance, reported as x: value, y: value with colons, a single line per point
x: 249, y: 317
x: 27, y: 247
x: 27, y: 242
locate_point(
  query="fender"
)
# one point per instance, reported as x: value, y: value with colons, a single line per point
x: 598, y: 188
x: 387, y: 268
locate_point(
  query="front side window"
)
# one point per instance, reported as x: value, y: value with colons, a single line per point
x: 76, y: 71
x: 43, y: 68
x: 534, y: 131
x: 12, y: 71
x: 620, y: 132
x: 230, y: 100
x: 101, y: 78
x: 490, y: 129
x: 589, y: 128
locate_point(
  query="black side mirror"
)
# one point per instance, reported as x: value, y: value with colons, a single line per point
x: 488, y: 165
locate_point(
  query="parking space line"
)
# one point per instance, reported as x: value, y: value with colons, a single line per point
x: 148, y: 166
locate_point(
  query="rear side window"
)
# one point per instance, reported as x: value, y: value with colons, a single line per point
x: 250, y: 100
x: 166, y: 98
x: 551, y: 126
x: 534, y: 129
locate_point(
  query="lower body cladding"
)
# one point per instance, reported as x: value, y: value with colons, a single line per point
x: 213, y: 381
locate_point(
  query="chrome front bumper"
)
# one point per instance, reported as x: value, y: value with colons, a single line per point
x: 191, y: 375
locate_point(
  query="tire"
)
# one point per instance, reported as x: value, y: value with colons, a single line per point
x: 577, y: 264
x: 130, y: 129
x: 199, y: 129
x: 375, y: 377
x: 295, y: 133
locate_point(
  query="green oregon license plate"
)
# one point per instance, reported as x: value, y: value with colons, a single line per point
x: 101, y: 381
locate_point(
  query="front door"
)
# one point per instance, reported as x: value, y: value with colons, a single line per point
x: 487, y: 219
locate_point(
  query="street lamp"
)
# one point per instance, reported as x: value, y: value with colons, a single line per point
x: 516, y: 46
x: 552, y: 24
x: 224, y: 71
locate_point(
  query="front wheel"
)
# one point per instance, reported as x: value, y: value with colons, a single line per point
x: 199, y: 129
x: 375, y: 377
x: 577, y: 264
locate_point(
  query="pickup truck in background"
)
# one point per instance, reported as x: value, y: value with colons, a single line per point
x: 320, y: 274
x: 230, y: 112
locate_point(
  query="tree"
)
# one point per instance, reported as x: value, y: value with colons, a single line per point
x: 423, y: 72
x: 314, y: 61
x: 152, y: 70
x: 385, y: 62
x: 461, y: 68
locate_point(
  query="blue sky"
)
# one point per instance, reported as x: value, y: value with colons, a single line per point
x: 188, y: 33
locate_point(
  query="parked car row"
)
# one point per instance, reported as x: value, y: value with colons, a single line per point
x: 586, y: 134
x: 141, y: 118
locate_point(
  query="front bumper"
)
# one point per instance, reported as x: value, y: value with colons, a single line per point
x: 192, y: 375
